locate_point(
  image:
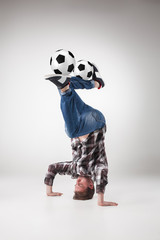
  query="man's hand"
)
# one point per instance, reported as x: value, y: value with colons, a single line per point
x: 50, y: 193
x: 104, y: 203
x: 101, y: 201
x: 54, y: 194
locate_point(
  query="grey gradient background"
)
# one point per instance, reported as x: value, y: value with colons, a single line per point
x: 122, y: 38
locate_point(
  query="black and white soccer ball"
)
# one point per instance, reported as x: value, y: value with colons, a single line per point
x: 62, y: 62
x: 84, y: 70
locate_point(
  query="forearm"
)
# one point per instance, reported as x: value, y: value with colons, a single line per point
x: 53, y: 169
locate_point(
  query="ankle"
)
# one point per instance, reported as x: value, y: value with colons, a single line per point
x: 65, y: 88
x: 96, y: 84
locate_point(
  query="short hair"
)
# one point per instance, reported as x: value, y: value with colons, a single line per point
x: 87, y: 194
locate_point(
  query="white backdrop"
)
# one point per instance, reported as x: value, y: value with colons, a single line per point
x: 122, y: 38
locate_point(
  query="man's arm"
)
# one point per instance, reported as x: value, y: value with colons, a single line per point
x: 62, y: 168
x: 49, y: 191
x: 101, y: 172
x: 101, y: 201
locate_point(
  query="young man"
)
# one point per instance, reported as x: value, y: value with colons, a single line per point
x: 86, y: 127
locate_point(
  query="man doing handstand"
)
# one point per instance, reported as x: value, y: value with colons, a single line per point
x: 86, y: 127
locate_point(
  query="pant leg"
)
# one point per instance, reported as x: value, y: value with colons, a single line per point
x: 72, y: 107
x: 80, y: 118
x: 78, y: 83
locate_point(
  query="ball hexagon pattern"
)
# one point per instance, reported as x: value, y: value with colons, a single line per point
x: 83, y: 69
x: 62, y: 62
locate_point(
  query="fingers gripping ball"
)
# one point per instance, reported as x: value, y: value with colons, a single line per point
x: 62, y: 62
x: 84, y: 69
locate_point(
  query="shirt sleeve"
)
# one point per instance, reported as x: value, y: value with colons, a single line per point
x: 101, y: 177
x: 61, y: 167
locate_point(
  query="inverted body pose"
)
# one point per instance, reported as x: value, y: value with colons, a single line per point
x: 86, y: 127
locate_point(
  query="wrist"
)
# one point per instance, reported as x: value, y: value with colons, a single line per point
x: 100, y: 198
x: 48, y: 189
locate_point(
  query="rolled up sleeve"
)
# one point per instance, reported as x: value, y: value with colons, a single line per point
x: 101, y: 175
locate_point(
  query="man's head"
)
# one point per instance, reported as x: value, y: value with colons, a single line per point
x: 84, y: 188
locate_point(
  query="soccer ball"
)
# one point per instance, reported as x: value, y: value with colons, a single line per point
x: 83, y: 69
x: 62, y: 62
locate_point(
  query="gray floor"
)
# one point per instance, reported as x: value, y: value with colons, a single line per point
x: 27, y: 213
